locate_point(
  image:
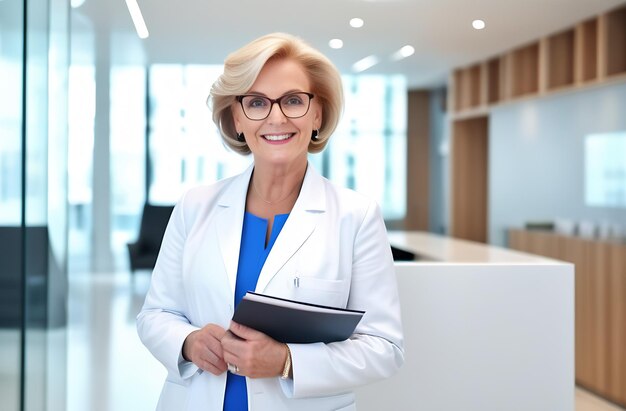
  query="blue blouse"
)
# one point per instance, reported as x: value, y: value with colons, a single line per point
x: 252, y: 256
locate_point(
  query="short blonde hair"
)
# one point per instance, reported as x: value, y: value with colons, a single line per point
x: 242, y: 67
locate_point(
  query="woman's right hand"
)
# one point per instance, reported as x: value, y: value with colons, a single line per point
x: 203, y: 348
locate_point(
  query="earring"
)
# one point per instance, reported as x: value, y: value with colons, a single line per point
x: 314, y: 135
x: 240, y: 137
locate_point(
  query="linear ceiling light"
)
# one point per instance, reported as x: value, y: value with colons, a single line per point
x: 404, y: 52
x: 365, y: 63
x: 135, y: 13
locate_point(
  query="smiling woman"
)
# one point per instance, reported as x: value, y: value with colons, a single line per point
x: 281, y: 229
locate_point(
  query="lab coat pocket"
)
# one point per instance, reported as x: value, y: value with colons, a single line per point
x: 320, y: 291
x: 173, y: 397
x: 351, y: 407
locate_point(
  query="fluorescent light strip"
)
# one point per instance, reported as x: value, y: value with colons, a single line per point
x: 365, y: 63
x: 404, y: 52
x: 135, y: 13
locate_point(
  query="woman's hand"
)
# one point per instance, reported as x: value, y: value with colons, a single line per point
x: 254, y: 353
x: 203, y: 348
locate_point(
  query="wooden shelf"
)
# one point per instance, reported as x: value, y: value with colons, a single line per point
x: 560, y: 59
x: 616, y: 42
x: 589, y: 53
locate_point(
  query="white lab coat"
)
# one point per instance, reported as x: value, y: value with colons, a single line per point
x: 334, y: 242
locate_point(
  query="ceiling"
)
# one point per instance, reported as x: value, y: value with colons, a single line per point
x: 205, y: 31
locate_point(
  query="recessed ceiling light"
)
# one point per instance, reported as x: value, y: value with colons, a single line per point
x: 76, y: 3
x: 335, y: 43
x: 365, y: 63
x: 478, y: 24
x: 356, y: 22
x: 407, y: 51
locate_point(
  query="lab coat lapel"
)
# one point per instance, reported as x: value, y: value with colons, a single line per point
x: 298, y: 228
x: 230, y: 223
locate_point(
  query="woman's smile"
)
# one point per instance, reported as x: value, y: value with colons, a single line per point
x: 278, y: 138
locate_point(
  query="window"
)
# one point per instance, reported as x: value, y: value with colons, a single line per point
x: 367, y: 152
x: 605, y: 170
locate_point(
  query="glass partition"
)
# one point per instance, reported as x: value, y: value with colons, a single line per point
x: 11, y: 201
x: 33, y: 208
x: 367, y: 151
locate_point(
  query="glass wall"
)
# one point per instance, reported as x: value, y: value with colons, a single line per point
x: 186, y: 150
x: 185, y: 146
x: 163, y: 141
x: 33, y: 225
x: 11, y: 201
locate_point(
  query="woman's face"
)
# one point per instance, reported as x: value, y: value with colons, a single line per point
x: 279, y: 140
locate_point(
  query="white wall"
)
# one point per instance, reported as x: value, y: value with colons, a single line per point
x: 536, y: 158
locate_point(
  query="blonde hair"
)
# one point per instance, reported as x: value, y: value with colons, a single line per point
x: 242, y: 67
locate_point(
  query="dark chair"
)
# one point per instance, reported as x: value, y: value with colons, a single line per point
x: 402, y: 255
x: 143, y: 252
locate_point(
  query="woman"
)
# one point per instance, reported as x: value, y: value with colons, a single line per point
x: 280, y: 229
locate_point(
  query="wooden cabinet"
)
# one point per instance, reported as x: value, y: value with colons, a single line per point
x: 590, y: 53
x: 600, y: 305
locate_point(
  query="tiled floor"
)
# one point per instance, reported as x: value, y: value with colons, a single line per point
x: 108, y: 367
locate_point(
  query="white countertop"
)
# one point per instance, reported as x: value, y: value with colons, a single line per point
x: 434, y: 247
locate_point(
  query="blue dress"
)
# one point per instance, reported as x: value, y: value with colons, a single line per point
x: 252, y: 256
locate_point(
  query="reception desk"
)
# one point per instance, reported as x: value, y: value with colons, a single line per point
x: 485, y: 329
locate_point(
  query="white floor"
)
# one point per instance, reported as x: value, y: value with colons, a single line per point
x: 108, y: 367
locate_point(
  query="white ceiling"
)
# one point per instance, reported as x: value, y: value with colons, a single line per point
x: 205, y: 31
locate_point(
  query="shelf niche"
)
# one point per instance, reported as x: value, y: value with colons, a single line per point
x: 467, y: 87
x: 524, y: 70
x: 560, y: 59
x: 494, y: 80
x: 586, y: 51
x: 616, y: 40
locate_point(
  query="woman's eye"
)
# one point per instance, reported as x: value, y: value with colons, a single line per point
x: 293, y: 100
x: 257, y: 102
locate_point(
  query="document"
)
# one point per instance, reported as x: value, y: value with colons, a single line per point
x: 291, y: 321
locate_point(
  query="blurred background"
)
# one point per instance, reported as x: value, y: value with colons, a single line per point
x: 463, y: 118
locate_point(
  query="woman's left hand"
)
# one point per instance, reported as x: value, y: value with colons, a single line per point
x: 254, y: 353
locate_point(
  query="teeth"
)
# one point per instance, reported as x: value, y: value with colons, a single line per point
x: 277, y: 137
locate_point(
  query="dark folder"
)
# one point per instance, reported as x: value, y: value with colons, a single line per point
x: 291, y: 321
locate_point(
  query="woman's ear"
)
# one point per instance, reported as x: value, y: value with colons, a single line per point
x: 317, y: 117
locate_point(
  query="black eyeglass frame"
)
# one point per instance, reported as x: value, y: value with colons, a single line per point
x: 272, y: 102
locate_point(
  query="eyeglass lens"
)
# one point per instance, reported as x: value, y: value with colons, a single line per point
x: 292, y: 105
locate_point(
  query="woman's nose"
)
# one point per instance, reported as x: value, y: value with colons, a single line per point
x: 276, y: 114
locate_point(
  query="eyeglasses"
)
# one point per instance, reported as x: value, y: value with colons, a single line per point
x: 293, y: 105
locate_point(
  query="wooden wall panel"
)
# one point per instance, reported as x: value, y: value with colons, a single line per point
x: 617, y: 324
x: 418, y: 154
x: 469, y: 187
x: 600, y: 306
x: 598, y: 266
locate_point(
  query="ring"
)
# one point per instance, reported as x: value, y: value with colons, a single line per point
x: 233, y: 369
